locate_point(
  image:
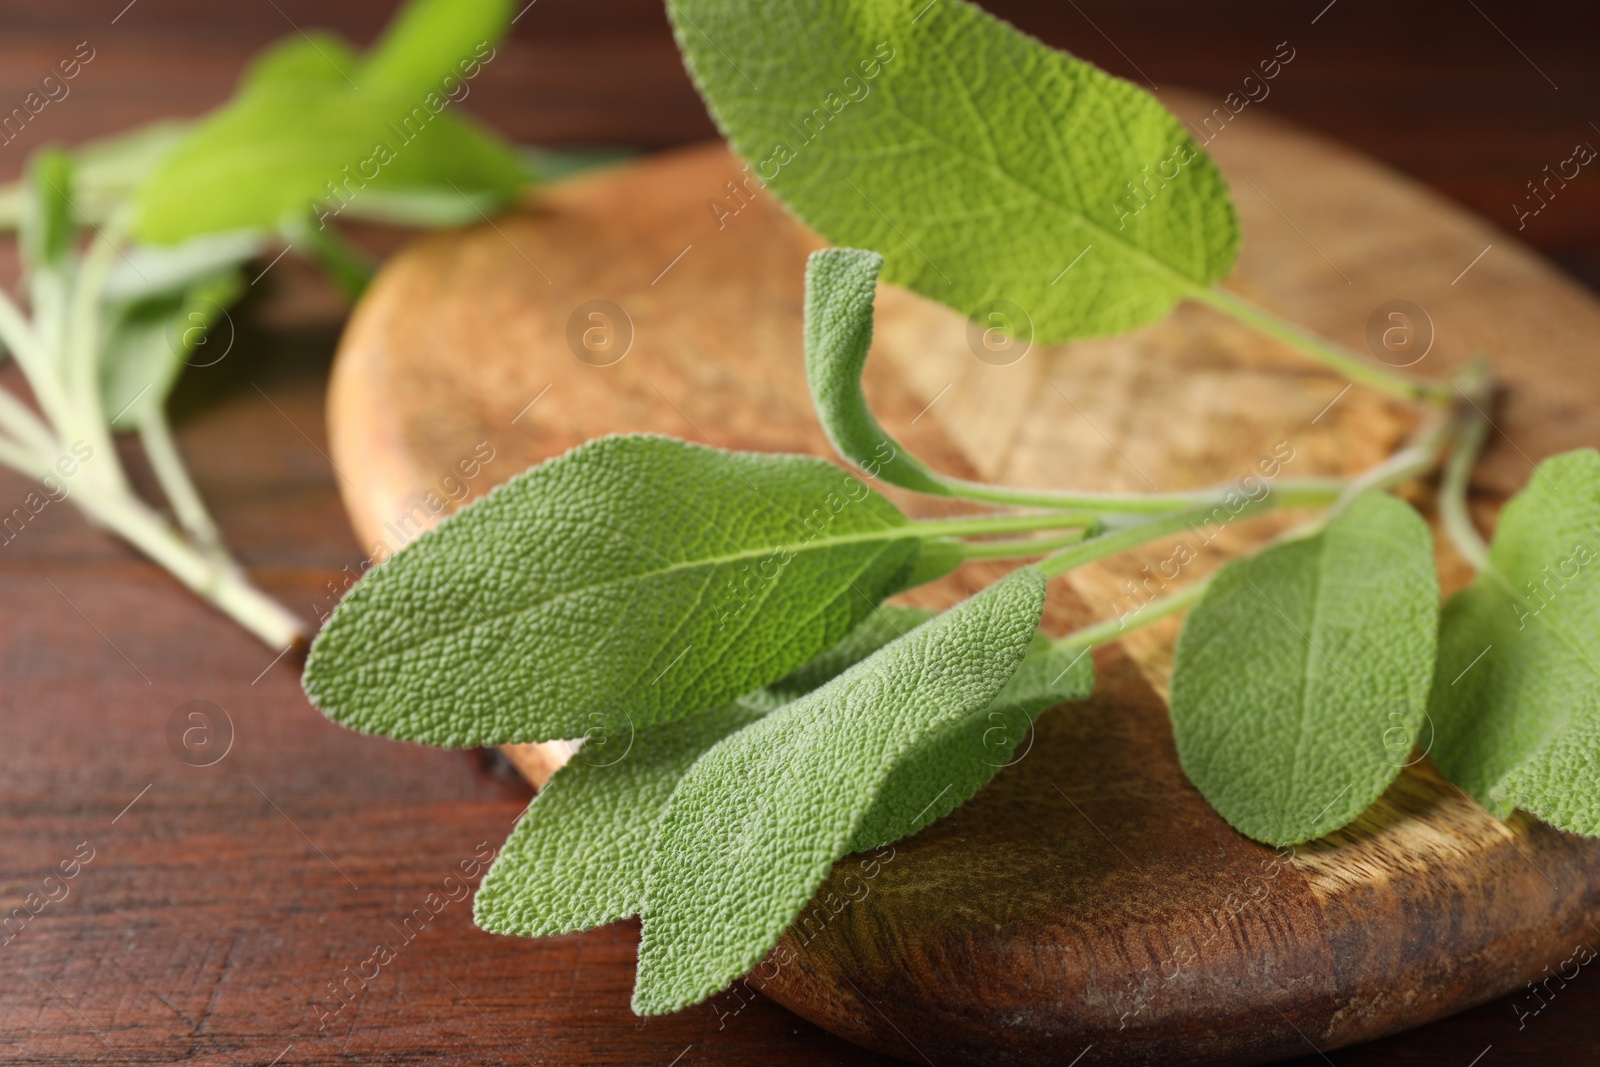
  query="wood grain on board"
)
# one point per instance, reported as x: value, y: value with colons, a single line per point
x: 1089, y: 897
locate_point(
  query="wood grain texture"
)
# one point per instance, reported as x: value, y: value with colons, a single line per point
x: 1089, y: 898
x: 205, y: 928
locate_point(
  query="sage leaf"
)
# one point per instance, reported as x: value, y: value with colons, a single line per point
x: 840, y: 285
x: 313, y: 123
x: 756, y: 824
x: 1300, y: 680
x: 281, y: 146
x: 149, y: 341
x: 577, y: 857
x: 982, y: 163
x: 317, y: 56
x: 146, y: 271
x: 881, y: 626
x: 1516, y: 700
x: 951, y: 765
x: 633, y: 579
x: 46, y: 234
x: 432, y: 40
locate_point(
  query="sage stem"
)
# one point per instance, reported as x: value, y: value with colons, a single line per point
x: 1335, y: 357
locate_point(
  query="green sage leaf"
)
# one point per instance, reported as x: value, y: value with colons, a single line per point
x: 1300, y: 679
x: 430, y: 41
x: 48, y: 228
x: 635, y: 579
x: 315, y: 124
x: 577, y: 857
x: 950, y: 766
x: 282, y: 146
x: 1516, y: 700
x: 316, y: 56
x: 754, y: 827
x: 982, y: 163
x: 149, y: 341
x: 840, y: 285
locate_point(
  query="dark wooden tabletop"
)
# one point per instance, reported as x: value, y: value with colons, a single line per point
x: 219, y: 903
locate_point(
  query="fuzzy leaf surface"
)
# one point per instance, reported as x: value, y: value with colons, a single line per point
x: 756, y: 824
x: 952, y: 764
x: 578, y: 856
x: 981, y: 162
x: 1300, y: 680
x: 1516, y: 701
x: 631, y: 580
x: 840, y: 285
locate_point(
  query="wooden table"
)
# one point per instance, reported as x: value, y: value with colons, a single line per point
x: 221, y: 901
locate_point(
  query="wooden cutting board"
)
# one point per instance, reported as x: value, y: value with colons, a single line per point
x: 1088, y: 902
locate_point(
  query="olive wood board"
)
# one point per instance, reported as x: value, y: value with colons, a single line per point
x: 1088, y: 902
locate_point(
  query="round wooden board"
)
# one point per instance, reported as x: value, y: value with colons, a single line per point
x: 1088, y: 902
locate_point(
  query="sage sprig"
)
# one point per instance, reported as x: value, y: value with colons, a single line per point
x: 133, y: 249
x: 710, y: 624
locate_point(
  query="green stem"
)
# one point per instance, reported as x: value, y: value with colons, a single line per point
x: 1417, y: 458
x: 21, y: 423
x: 1305, y: 492
x: 222, y: 586
x: 1137, y: 533
x: 349, y: 267
x: 978, y: 525
x: 167, y: 463
x: 19, y: 458
x: 1334, y: 357
x: 1108, y: 630
x: 1020, y: 547
x: 36, y: 365
x: 1453, y: 512
x: 83, y: 344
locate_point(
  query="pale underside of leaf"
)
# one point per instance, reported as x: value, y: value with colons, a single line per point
x: 979, y: 161
x: 1300, y: 680
x: 756, y: 824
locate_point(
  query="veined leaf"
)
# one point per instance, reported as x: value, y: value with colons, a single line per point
x: 756, y: 824
x: 282, y: 146
x: 1516, y: 701
x: 1300, y: 680
x: 314, y: 123
x: 840, y: 284
x: 951, y: 765
x: 880, y: 627
x: 578, y: 856
x: 979, y: 161
x: 431, y: 40
x: 633, y: 579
